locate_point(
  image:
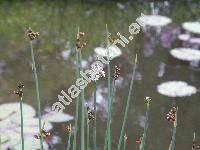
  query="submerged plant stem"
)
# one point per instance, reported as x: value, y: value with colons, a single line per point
x: 37, y: 92
x: 95, y: 116
x: 127, y: 105
x: 22, y: 123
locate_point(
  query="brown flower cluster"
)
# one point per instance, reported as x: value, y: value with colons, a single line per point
x: 31, y: 34
x: 79, y: 41
x: 171, y: 114
x: 90, y: 114
x: 19, y: 91
x: 111, y: 38
x: 117, y: 72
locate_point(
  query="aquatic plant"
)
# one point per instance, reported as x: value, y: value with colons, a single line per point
x: 142, y: 145
x: 173, y: 140
x: 79, y: 46
x: 19, y: 92
x: 95, y: 116
x: 33, y: 35
x: 127, y: 104
x: 125, y: 141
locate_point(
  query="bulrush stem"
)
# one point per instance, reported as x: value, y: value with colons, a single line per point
x: 127, y: 105
x: 125, y: 140
x: 95, y: 116
x: 37, y: 92
x: 107, y: 138
x: 173, y: 140
x: 69, y: 141
x: 88, y: 136
x: 83, y: 110
x: 22, y: 123
x: 77, y: 102
x: 142, y: 145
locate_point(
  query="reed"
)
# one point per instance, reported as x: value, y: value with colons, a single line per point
x: 95, y: 117
x: 88, y: 136
x: 69, y: 141
x: 173, y: 140
x: 37, y: 91
x: 107, y: 138
x: 77, y: 102
x: 125, y: 141
x: 83, y: 109
x: 142, y: 145
x: 22, y: 122
x: 127, y: 105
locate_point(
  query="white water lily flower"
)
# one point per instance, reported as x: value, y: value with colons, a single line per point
x: 193, y: 27
x: 176, y: 89
x: 154, y: 20
x: 186, y: 54
x: 112, y: 52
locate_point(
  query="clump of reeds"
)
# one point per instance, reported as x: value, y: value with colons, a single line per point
x: 32, y: 36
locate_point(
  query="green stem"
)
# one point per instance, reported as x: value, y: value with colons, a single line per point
x: 22, y: 124
x: 69, y: 141
x: 107, y: 138
x: 173, y: 140
x: 127, y: 105
x: 142, y: 145
x: 95, y: 116
x: 88, y: 136
x: 83, y: 110
x: 37, y: 92
x: 77, y: 103
x: 125, y: 142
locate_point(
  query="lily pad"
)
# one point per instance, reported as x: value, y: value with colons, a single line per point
x: 176, y: 89
x: 193, y: 27
x: 13, y: 110
x: 114, y: 51
x: 154, y: 20
x: 186, y: 54
x: 57, y: 117
x: 31, y: 144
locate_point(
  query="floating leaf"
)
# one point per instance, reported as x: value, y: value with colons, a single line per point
x: 193, y: 27
x: 57, y: 117
x: 154, y: 20
x: 186, y: 54
x: 13, y: 110
x: 176, y: 89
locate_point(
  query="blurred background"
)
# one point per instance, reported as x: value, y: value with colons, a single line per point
x: 58, y: 21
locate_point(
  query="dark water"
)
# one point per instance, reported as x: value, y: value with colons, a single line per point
x: 57, y: 23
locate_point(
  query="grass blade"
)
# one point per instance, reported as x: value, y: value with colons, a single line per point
x: 127, y: 105
x: 37, y: 92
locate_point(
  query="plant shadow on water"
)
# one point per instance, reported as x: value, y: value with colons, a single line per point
x: 55, y: 57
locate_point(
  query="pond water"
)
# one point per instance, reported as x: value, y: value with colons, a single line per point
x: 57, y: 23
